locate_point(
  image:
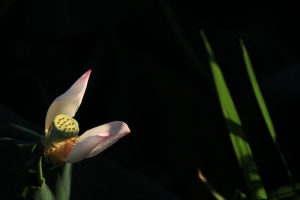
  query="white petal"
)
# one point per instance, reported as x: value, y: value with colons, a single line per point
x: 83, y: 148
x: 113, y: 128
x: 116, y: 129
x: 105, y: 144
x: 68, y: 102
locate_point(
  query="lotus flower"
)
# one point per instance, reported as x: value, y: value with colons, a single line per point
x: 61, y: 141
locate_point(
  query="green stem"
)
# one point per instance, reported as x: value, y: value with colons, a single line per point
x: 40, y: 177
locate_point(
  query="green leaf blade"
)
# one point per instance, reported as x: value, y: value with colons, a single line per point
x: 240, y: 144
x: 257, y: 92
x: 264, y: 110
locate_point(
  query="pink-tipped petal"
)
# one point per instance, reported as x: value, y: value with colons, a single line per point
x: 116, y: 130
x: 84, y: 147
x: 113, y: 128
x: 106, y: 143
x: 68, y: 102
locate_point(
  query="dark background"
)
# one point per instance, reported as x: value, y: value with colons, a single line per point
x: 150, y: 70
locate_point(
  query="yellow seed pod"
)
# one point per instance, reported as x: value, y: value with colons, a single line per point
x: 63, y: 127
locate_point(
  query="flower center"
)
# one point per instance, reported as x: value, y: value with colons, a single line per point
x: 60, y: 139
x: 63, y: 127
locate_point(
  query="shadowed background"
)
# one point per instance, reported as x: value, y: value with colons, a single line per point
x: 150, y: 70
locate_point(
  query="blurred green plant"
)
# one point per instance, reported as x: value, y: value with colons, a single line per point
x: 22, y: 161
x: 209, y: 187
x: 240, y: 144
x: 184, y: 42
x: 4, y: 6
x: 238, y: 195
x: 62, y: 187
x: 264, y: 109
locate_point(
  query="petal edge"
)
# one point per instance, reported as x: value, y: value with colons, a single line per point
x: 117, y: 130
x: 68, y: 102
x: 83, y: 148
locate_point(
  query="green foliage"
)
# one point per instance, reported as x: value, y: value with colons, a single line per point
x: 62, y: 187
x: 13, y: 126
x: 16, y: 165
x: 4, y: 6
x: 183, y: 41
x: 239, y: 195
x: 209, y: 187
x: 258, y: 94
x: 284, y: 192
x: 266, y: 115
x: 238, y: 139
x: 13, y: 168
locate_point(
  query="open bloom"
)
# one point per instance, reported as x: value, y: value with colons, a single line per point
x: 61, y: 141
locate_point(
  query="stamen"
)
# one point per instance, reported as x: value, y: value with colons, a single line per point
x: 58, y: 152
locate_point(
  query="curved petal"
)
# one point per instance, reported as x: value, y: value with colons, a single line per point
x: 83, y: 148
x: 68, y: 102
x: 105, y: 144
x: 113, y: 128
x: 116, y: 129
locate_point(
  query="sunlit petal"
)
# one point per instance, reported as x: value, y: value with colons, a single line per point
x: 68, y: 102
x: 113, y: 128
x: 116, y: 129
x: 83, y: 148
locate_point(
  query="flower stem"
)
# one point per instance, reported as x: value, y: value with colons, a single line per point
x: 40, y: 177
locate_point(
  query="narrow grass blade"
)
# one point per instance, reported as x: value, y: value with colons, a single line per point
x: 258, y: 94
x: 209, y: 187
x: 183, y: 41
x: 264, y: 109
x: 238, y: 139
x: 283, y: 192
x: 239, y: 195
